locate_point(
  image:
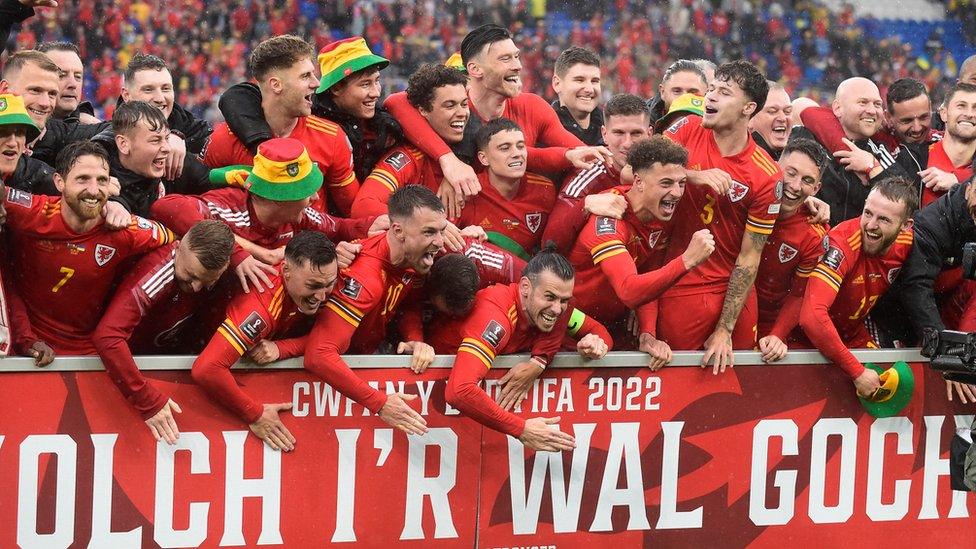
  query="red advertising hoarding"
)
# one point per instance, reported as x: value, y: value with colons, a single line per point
x: 758, y: 456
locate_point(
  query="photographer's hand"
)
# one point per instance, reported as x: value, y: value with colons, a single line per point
x: 967, y: 393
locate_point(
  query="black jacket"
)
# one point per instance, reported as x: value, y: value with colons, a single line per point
x: 241, y: 107
x: 843, y: 190
x: 74, y: 117
x: 58, y: 134
x: 941, y: 230
x: 656, y: 106
x: 12, y: 13
x: 33, y: 176
x: 762, y: 144
x: 592, y: 135
x: 138, y: 192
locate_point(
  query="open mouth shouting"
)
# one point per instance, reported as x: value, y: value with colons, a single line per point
x: 667, y: 207
x: 780, y: 131
x: 547, y: 321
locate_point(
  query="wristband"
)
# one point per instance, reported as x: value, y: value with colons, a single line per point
x: 539, y: 361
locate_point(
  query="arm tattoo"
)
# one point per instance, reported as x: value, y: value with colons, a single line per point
x: 740, y: 282
x: 758, y: 240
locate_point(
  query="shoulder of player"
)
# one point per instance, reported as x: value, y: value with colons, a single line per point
x: 765, y: 165
x: 323, y: 126
x: 18, y: 202
x: 155, y: 272
x: 903, y: 244
x: 536, y: 179
x: 528, y: 100
x: 496, y: 302
x: 578, y: 181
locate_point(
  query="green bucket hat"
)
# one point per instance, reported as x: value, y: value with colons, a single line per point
x: 283, y: 171
x: 14, y: 113
x: 340, y: 59
x: 897, y: 386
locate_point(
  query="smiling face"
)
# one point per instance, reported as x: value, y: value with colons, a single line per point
x: 545, y: 299
x: 71, y: 81
x: 960, y: 116
x: 421, y: 237
x: 679, y: 84
x: 449, y: 112
x: 881, y: 221
x: 658, y: 190
x: 357, y: 94
x: 13, y: 143
x: 726, y: 105
x: 621, y: 131
x: 579, y: 89
x: 773, y: 121
x: 191, y: 276
x: 293, y: 87
x: 309, y: 286
x: 144, y: 150
x: 498, y: 68
x: 505, y: 154
x: 152, y: 86
x: 38, y: 87
x: 912, y: 119
x: 858, y: 108
x: 85, y: 187
x: 801, y: 179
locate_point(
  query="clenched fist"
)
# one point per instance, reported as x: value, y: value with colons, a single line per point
x: 701, y: 246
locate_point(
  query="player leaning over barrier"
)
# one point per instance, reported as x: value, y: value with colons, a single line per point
x: 531, y: 314
x: 302, y: 284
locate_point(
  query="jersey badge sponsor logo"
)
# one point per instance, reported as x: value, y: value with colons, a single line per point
x: 143, y: 223
x: 778, y: 191
x: 510, y: 224
x: 859, y: 279
x: 19, y: 197
x: 533, y: 221
x: 103, y: 254
x: 825, y: 243
x: 738, y: 191
x: 653, y: 238
x: 893, y: 274
x: 493, y: 334
x: 398, y: 160
x: 606, y: 225
x: 833, y: 258
x: 3, y: 104
x: 292, y: 169
x: 351, y: 288
x: 786, y: 253
x: 678, y: 125
x: 485, y: 223
x: 75, y: 249
x: 253, y: 326
x: 773, y: 209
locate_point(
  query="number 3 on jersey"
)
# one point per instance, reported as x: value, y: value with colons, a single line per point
x: 68, y: 272
x: 708, y: 210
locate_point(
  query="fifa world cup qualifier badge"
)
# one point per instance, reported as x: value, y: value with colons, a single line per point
x: 351, y: 288
x: 493, y: 334
x: 605, y: 225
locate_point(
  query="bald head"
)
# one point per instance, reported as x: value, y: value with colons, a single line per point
x: 967, y: 72
x: 858, y: 107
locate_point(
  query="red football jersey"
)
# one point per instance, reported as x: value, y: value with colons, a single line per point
x: 368, y: 294
x: 843, y: 288
x: 568, y: 217
x: 497, y: 325
x: 327, y: 145
x: 521, y: 218
x: 233, y: 207
x: 790, y: 255
x: 609, y: 254
x: 752, y: 204
x: 251, y: 318
x: 939, y: 159
x: 147, y: 315
x: 402, y: 165
x: 63, y: 277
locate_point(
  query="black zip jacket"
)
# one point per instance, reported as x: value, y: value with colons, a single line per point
x: 592, y: 135
x: 33, y: 176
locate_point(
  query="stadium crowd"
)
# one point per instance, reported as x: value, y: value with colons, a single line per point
x: 801, y: 44
x: 467, y: 216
